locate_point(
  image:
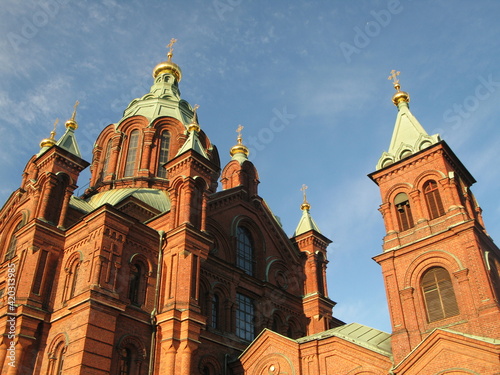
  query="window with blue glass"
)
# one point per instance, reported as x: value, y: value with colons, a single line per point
x: 245, y: 250
x: 245, y: 317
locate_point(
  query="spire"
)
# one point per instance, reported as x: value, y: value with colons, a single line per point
x: 68, y: 140
x: 408, y: 136
x: 168, y: 66
x: 306, y: 222
x: 193, y: 142
x: 239, y: 151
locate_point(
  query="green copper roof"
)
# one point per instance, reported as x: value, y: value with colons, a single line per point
x: 408, y: 138
x: 163, y: 100
x: 154, y: 198
x: 193, y: 143
x: 68, y: 142
x: 306, y: 224
x: 367, y: 337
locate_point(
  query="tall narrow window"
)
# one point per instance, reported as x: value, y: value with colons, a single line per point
x: 75, y: 269
x: 107, y: 156
x: 244, y: 254
x: 131, y: 154
x: 37, y: 284
x: 11, y: 249
x: 134, y: 292
x: 245, y: 326
x: 403, y: 212
x: 163, y: 155
x: 439, y: 296
x: 215, y: 311
x: 433, y: 199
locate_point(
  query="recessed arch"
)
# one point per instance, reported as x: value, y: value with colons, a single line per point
x: 428, y: 259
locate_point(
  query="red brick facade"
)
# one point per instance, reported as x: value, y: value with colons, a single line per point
x: 156, y: 271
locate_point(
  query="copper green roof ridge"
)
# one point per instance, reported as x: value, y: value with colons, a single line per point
x: 359, y: 334
x: 193, y: 143
x: 306, y: 224
x: 68, y: 142
x: 408, y: 137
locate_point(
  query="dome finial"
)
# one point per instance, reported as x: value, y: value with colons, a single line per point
x: 399, y: 96
x: 71, y: 123
x: 239, y: 147
x: 194, y: 125
x: 169, y: 66
x: 171, y: 49
x: 305, y: 204
x: 48, y: 142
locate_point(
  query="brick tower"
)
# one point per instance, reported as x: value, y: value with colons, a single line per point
x: 440, y: 267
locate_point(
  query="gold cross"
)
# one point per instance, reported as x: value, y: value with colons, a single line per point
x: 74, y: 110
x: 171, y: 47
x: 240, y: 128
x: 393, y: 76
x: 303, y: 189
x: 55, y: 125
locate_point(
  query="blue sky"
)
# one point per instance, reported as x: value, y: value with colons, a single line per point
x: 307, y: 80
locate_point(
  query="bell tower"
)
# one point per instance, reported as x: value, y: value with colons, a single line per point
x: 439, y: 265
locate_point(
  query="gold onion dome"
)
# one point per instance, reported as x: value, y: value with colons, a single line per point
x: 168, y: 66
x: 71, y: 123
x: 239, y: 147
x: 194, y: 125
x: 399, y: 96
x: 51, y: 141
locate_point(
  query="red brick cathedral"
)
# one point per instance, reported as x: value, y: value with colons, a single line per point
x: 156, y: 270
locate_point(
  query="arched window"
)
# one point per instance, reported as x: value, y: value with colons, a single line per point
x: 439, y: 296
x: 433, y: 199
x: 57, y: 352
x: 136, y: 281
x: 163, y: 154
x: 11, y: 248
x: 403, y: 212
x: 125, y: 361
x: 245, y: 317
x: 75, y: 269
x: 215, y: 311
x: 107, y: 156
x: 245, y: 250
x: 131, y: 154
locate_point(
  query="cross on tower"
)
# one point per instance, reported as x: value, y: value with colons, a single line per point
x: 303, y: 189
x: 74, y: 110
x: 393, y: 76
x: 171, y: 48
x: 239, y: 129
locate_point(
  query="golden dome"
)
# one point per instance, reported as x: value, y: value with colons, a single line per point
x: 168, y: 67
x: 71, y: 123
x: 48, y: 142
x: 305, y: 206
x: 399, y: 96
x: 239, y: 148
x: 51, y: 141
